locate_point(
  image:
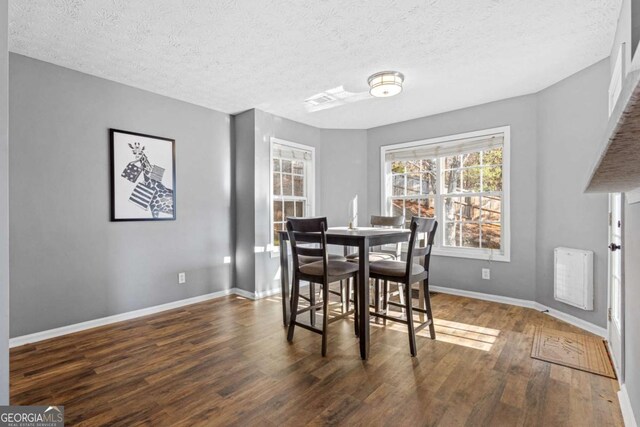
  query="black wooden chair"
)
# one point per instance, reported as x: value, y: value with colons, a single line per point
x: 379, y: 254
x: 344, y: 291
x: 324, y: 272
x: 405, y: 274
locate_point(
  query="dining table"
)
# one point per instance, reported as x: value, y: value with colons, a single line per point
x: 361, y: 238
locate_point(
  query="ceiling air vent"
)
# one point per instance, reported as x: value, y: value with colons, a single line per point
x: 319, y: 99
x: 332, y: 98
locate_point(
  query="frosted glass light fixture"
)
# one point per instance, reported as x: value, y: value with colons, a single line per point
x: 385, y: 83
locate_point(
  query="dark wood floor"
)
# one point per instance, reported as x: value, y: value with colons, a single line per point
x: 227, y: 362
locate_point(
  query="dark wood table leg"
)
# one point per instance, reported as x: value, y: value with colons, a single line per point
x: 284, y: 282
x: 363, y: 297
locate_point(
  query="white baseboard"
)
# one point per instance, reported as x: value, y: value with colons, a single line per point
x: 625, y: 407
x: 77, y: 327
x: 575, y: 321
x: 583, y: 324
x: 485, y: 297
x: 268, y: 293
x: 244, y: 294
x: 64, y: 330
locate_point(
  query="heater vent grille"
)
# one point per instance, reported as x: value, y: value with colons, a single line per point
x: 573, y: 277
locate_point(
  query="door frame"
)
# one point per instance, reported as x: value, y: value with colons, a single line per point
x: 610, y: 322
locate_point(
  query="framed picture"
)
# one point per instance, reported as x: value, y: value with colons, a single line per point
x: 143, y: 177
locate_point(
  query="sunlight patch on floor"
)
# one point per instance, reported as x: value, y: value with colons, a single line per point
x: 463, y: 334
x: 472, y: 336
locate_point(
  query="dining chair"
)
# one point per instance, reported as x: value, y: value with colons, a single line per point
x: 345, y: 288
x: 324, y: 272
x: 405, y: 273
x: 379, y: 254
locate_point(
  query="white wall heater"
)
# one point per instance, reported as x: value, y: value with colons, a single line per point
x: 573, y: 277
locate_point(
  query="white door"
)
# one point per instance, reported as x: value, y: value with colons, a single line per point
x: 616, y: 284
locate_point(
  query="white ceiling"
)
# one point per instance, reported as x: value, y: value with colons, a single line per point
x: 235, y: 55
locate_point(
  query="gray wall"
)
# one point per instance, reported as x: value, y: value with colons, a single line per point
x: 631, y: 248
x: 340, y: 175
x: 4, y: 207
x: 244, y: 200
x: 515, y: 279
x: 572, y: 118
x: 268, y: 126
x: 69, y: 263
x: 253, y: 130
x: 344, y: 175
x: 554, y: 137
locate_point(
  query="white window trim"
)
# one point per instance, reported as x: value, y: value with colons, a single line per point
x: 310, y: 184
x: 472, y: 253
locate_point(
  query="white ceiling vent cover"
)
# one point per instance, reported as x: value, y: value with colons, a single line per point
x: 332, y: 98
x: 319, y: 99
x: 573, y: 277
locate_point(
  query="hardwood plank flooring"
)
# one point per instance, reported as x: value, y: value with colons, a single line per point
x: 227, y: 362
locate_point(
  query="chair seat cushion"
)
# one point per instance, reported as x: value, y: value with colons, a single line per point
x: 306, y: 259
x: 394, y: 268
x: 373, y: 257
x: 336, y: 268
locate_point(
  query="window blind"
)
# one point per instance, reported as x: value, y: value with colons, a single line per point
x: 444, y: 149
x: 290, y: 153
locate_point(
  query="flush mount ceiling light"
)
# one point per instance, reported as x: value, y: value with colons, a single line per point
x: 385, y: 83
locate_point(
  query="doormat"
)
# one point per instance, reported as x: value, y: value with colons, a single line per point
x: 584, y: 352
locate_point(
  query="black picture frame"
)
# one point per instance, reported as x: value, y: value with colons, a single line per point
x: 150, y: 186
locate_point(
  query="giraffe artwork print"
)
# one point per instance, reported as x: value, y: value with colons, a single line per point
x: 143, y: 177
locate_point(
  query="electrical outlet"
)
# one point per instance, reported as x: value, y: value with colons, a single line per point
x: 486, y: 274
x: 182, y: 278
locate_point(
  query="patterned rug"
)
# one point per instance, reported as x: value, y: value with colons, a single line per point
x: 584, y: 352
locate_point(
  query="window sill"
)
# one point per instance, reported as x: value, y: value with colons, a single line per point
x: 453, y: 253
x: 471, y: 254
x: 274, y: 252
x: 459, y: 253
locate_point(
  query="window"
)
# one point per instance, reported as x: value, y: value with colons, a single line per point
x: 463, y: 181
x: 292, y: 183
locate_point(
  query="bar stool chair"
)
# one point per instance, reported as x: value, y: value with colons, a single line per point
x: 405, y: 274
x: 343, y: 290
x: 378, y: 254
x: 324, y: 272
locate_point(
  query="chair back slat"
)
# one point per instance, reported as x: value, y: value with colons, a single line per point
x: 303, y: 250
x: 308, y: 225
x: 421, y: 247
x: 308, y: 230
x: 387, y: 221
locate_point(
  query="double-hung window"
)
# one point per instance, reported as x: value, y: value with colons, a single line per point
x: 462, y: 181
x: 292, y: 183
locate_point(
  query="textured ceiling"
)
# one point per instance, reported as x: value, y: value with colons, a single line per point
x: 236, y: 55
